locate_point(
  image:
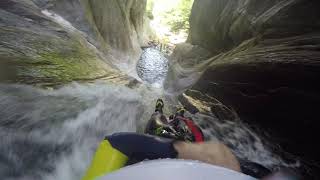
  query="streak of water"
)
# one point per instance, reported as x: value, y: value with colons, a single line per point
x: 243, y: 141
x: 152, y: 67
x: 53, y: 134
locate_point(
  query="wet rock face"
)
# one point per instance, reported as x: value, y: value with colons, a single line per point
x: 186, y: 65
x: 120, y: 23
x: 51, y: 42
x: 220, y: 25
x: 265, y: 64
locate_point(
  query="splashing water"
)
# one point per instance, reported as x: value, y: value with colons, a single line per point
x: 152, y: 67
x: 243, y: 141
x: 52, y: 134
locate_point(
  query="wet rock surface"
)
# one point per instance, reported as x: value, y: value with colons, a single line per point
x: 264, y: 63
x: 50, y: 43
x: 185, y: 67
x: 195, y: 101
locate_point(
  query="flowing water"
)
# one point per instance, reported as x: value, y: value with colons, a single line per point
x: 152, y: 67
x: 52, y: 134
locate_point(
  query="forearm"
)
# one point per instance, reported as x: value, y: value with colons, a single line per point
x: 142, y: 147
x: 115, y: 150
x: 209, y: 152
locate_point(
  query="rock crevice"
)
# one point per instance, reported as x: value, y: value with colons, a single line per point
x: 264, y: 62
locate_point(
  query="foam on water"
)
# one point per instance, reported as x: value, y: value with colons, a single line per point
x: 53, y: 134
x: 243, y: 141
x: 152, y: 67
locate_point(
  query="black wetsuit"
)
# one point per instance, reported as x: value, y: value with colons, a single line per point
x: 139, y: 147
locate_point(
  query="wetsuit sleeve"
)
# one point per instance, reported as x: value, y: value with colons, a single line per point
x: 141, y: 146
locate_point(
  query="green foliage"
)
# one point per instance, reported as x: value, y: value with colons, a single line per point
x: 149, y: 9
x: 178, y: 18
x: 173, y: 13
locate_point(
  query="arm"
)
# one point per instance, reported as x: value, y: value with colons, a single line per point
x: 142, y: 147
x: 210, y: 152
x: 115, y: 150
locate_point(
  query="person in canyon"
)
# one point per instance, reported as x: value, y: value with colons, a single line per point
x: 177, y: 127
x: 121, y: 149
x: 158, y: 121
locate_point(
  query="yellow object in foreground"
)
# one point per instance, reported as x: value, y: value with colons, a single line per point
x: 105, y: 160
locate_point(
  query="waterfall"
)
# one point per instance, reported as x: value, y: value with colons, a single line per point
x: 52, y: 134
x: 152, y: 67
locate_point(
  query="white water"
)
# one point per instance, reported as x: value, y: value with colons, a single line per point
x: 52, y: 134
x: 152, y: 67
x: 243, y: 141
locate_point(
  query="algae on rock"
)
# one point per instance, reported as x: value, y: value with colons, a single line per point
x: 55, y: 42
